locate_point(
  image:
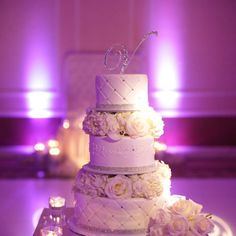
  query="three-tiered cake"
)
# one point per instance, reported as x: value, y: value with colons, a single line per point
x: 123, y: 190
x: 122, y: 186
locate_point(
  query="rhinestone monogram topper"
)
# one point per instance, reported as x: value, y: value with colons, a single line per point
x: 117, y: 56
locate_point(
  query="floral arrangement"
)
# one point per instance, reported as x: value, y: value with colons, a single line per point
x: 149, y: 185
x: 116, y: 125
x: 183, y: 218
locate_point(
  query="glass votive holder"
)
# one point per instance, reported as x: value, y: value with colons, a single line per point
x: 57, y: 207
x: 51, y: 231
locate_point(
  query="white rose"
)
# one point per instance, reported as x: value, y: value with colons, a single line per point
x: 162, y: 217
x: 164, y: 170
x: 101, y: 124
x: 156, y: 231
x: 118, y: 187
x: 187, y: 208
x: 82, y: 179
x: 153, y: 186
x: 136, y: 125
x: 113, y: 127
x: 138, y: 188
x: 98, y: 182
x: 156, y: 123
x: 178, y: 226
x: 122, y: 117
x: 134, y: 177
x: 95, y: 124
x: 153, y: 190
x: 202, y: 225
x: 89, y: 190
x: 84, y: 184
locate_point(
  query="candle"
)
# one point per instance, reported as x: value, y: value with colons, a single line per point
x: 53, y: 143
x: 66, y: 124
x: 39, y: 147
x: 57, y: 210
x: 54, y: 151
x: 51, y: 231
x: 56, y: 202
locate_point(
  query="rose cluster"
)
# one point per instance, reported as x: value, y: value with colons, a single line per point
x: 147, y: 186
x: 115, y: 125
x: 183, y: 218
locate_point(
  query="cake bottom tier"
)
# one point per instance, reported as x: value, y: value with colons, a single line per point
x: 104, y: 216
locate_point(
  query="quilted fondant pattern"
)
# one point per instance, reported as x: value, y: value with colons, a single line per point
x: 115, y: 214
x: 121, y: 89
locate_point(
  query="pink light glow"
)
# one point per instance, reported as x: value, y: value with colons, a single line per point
x: 167, y: 102
x: 38, y: 66
x: 166, y: 68
x: 41, y: 68
x: 39, y: 104
x: 165, y: 58
x: 39, y: 77
x: 166, y: 76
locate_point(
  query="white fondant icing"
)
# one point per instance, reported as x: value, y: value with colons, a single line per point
x: 126, y: 152
x: 116, y: 215
x: 121, y: 92
x: 96, y: 210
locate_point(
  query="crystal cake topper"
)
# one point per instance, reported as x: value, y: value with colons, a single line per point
x: 117, y: 56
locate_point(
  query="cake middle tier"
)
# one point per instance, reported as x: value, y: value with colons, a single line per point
x: 124, y: 153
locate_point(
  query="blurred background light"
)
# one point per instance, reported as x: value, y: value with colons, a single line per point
x: 39, y: 104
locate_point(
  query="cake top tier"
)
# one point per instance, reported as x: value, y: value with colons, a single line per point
x: 121, y: 92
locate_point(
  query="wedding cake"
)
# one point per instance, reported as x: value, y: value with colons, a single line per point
x: 123, y: 190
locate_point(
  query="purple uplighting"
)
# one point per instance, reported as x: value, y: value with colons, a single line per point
x: 113, y: 111
x: 41, y: 74
x: 165, y: 57
x: 39, y: 104
x: 167, y: 78
x: 39, y: 81
x: 38, y: 63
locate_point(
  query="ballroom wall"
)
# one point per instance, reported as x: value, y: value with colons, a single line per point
x: 192, y: 68
x: 191, y: 64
